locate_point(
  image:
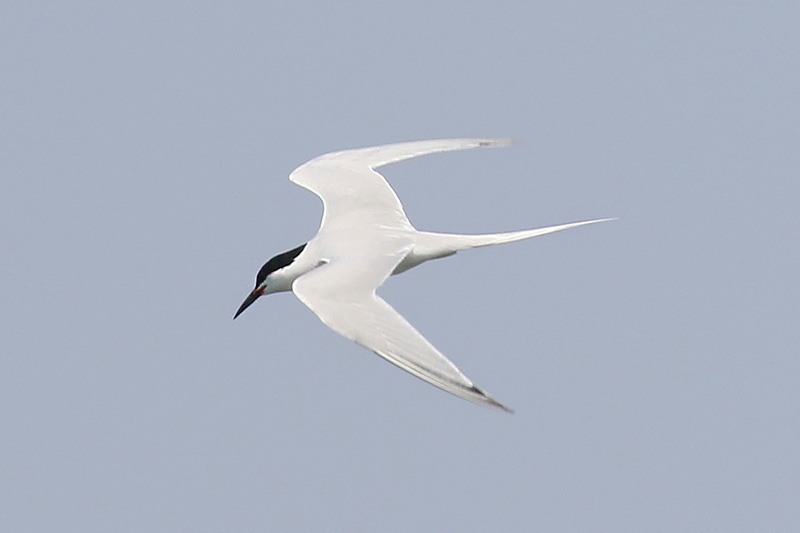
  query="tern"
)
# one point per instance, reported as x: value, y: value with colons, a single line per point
x: 364, y: 238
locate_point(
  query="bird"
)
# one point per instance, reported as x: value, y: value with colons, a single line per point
x: 365, y: 237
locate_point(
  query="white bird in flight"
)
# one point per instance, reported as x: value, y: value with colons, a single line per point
x: 364, y: 238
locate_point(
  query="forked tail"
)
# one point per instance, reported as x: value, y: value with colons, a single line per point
x: 436, y: 245
x: 463, y: 242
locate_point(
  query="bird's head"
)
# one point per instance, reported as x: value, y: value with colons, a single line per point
x: 269, y: 278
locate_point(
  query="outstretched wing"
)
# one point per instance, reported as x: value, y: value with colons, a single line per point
x: 354, y: 194
x: 342, y: 295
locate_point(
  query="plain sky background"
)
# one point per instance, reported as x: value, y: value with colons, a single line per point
x: 653, y: 362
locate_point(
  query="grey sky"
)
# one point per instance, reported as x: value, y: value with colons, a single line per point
x: 652, y: 362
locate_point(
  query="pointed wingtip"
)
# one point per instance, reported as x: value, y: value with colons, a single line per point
x: 488, y: 401
x: 504, y: 408
x: 491, y: 143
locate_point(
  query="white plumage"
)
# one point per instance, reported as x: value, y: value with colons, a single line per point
x: 364, y: 238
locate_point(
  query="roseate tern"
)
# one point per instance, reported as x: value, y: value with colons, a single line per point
x: 364, y: 238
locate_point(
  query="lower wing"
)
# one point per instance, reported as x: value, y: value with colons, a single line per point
x: 338, y: 295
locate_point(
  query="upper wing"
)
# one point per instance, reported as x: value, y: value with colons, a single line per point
x: 354, y: 194
x: 342, y: 295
